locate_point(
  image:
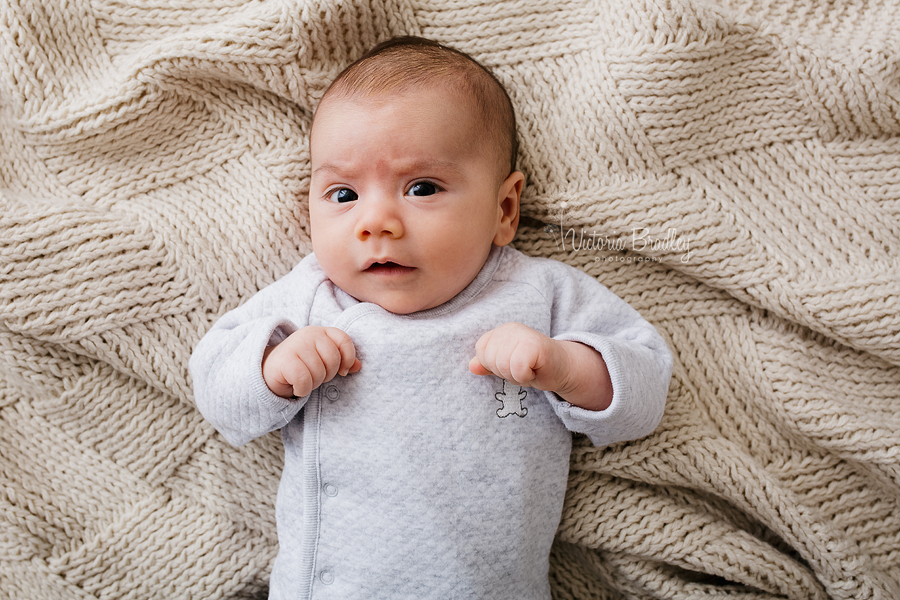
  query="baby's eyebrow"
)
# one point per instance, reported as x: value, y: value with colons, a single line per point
x: 328, y: 168
x: 426, y: 165
x: 423, y: 166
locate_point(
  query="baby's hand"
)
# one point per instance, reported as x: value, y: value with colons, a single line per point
x: 520, y: 355
x: 308, y: 358
x: 526, y: 357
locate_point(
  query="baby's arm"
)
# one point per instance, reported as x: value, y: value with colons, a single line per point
x: 523, y: 356
x: 226, y: 365
x: 308, y: 358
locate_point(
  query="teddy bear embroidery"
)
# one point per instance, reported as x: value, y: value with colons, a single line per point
x: 511, y: 402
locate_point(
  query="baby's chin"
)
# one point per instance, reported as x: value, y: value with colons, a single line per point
x: 406, y: 306
x: 405, y: 303
x: 401, y: 293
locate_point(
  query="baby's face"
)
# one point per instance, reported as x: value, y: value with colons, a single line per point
x: 405, y: 199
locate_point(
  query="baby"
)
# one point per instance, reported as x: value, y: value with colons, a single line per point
x: 425, y: 376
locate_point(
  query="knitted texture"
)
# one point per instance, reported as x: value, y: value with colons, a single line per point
x: 731, y: 169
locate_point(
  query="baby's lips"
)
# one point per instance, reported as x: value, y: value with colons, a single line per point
x: 384, y: 262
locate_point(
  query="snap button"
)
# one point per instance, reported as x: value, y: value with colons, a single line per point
x: 326, y: 577
x: 330, y: 489
x: 332, y: 393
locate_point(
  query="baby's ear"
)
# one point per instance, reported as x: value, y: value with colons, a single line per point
x: 508, y: 196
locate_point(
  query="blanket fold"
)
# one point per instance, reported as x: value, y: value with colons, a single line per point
x: 731, y: 169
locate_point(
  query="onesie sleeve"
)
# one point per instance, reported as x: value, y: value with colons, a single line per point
x: 226, y: 365
x: 638, y: 359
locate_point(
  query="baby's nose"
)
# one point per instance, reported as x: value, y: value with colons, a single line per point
x: 380, y: 217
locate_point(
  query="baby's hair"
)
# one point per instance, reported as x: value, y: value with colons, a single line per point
x: 409, y: 62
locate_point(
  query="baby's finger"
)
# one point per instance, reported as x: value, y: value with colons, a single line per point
x: 520, y: 369
x: 486, y: 352
x: 326, y: 361
x: 291, y: 378
x: 347, y: 363
x: 477, y: 368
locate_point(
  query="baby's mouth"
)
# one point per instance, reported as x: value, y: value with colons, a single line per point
x: 388, y: 268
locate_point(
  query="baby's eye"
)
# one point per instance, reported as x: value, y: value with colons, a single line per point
x: 343, y: 195
x: 423, y: 188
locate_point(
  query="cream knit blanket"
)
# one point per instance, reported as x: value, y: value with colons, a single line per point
x: 730, y: 169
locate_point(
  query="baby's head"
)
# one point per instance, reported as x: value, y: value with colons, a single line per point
x: 413, y: 175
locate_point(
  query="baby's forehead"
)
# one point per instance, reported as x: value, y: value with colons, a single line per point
x: 455, y: 91
x: 484, y: 129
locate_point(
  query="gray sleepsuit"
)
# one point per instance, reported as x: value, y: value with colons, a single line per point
x: 414, y: 478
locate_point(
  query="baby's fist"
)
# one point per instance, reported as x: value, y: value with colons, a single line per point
x: 520, y: 355
x: 308, y: 358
